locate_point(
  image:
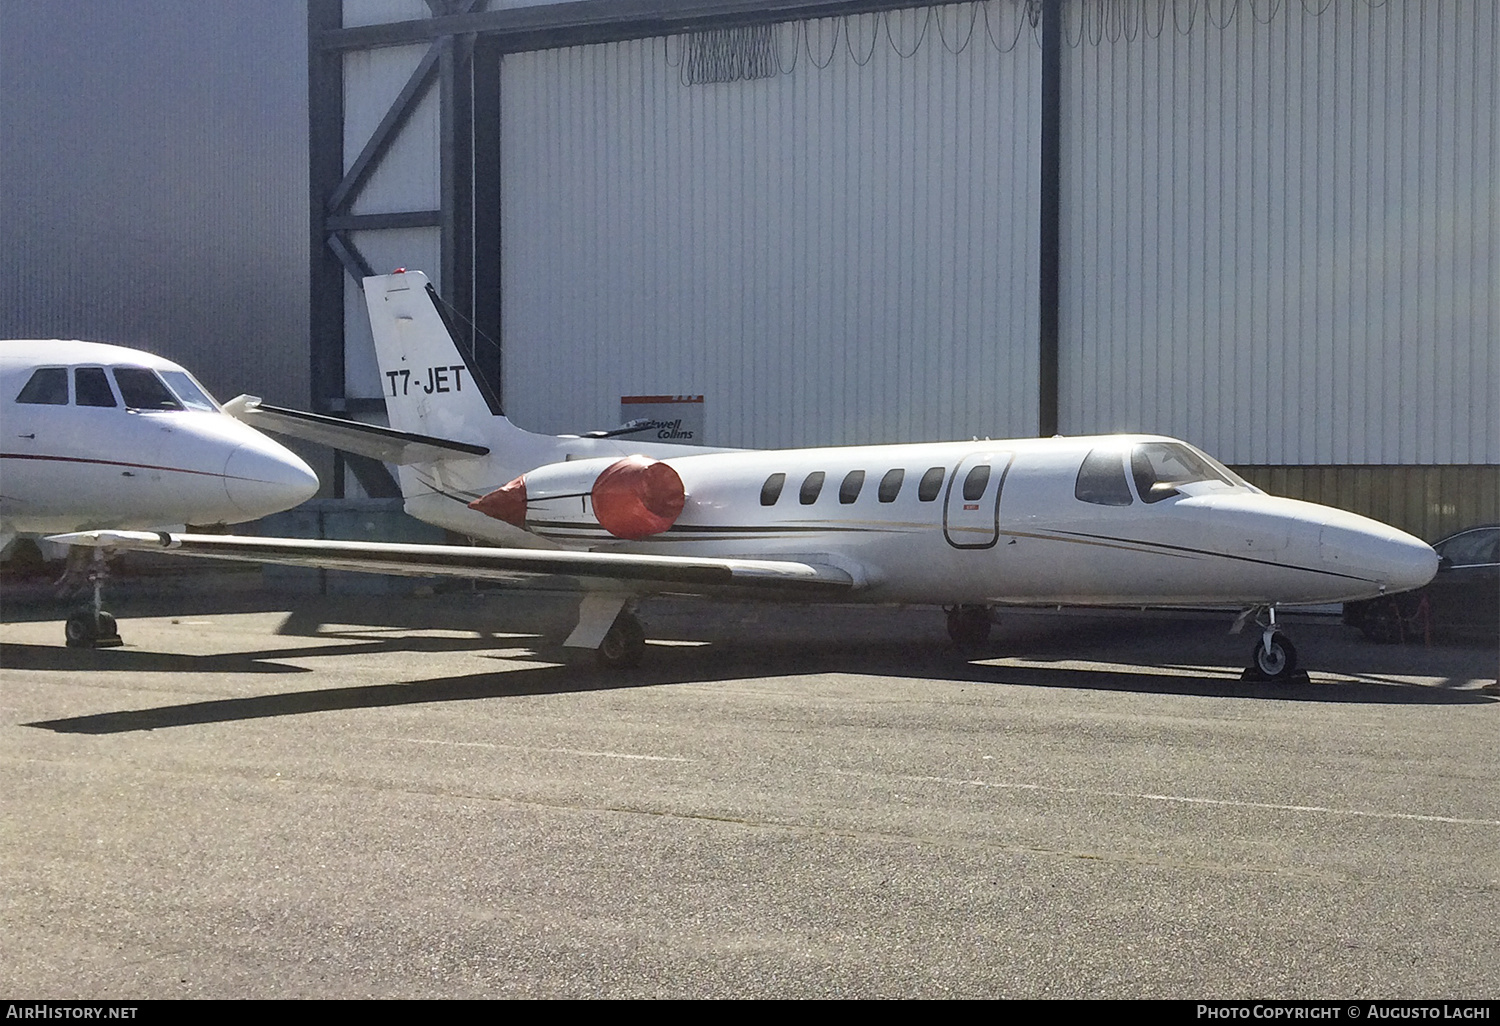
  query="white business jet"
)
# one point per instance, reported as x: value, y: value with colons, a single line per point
x: 100, y: 436
x: 1117, y: 520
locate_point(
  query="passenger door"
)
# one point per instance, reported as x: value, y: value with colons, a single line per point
x: 971, y: 510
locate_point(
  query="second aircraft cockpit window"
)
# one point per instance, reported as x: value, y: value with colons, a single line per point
x: 143, y: 390
x: 91, y: 387
x: 47, y: 386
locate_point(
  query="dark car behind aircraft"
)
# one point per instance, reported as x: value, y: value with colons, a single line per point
x: 1463, y: 600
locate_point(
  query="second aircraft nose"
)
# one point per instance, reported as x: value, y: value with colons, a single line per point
x: 267, y: 478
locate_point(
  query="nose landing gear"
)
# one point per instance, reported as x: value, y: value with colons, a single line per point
x: 1274, y: 657
x: 92, y: 626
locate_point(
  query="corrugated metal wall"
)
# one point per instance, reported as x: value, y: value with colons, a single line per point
x: 844, y: 251
x: 1429, y: 502
x: 407, y: 178
x: 1282, y: 227
x: 153, y: 183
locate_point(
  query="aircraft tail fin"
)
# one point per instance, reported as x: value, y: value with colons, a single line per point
x: 431, y: 386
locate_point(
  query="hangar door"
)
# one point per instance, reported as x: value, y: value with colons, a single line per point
x: 827, y: 228
x: 1282, y: 228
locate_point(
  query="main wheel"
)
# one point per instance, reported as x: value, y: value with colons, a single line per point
x: 624, y: 645
x: 1279, y: 660
x: 969, y: 626
x: 79, y: 630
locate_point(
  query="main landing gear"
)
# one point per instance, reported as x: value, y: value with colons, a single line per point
x: 969, y: 626
x: 623, y: 644
x: 1273, y: 657
x: 92, y: 626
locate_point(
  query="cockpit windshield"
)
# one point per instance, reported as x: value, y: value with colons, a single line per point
x: 146, y: 389
x: 143, y: 390
x: 1164, y: 469
x: 193, y: 395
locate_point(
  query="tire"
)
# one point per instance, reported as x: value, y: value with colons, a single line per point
x: 79, y: 630
x: 623, y: 646
x: 1280, y: 661
x: 88, y: 629
x: 969, y: 626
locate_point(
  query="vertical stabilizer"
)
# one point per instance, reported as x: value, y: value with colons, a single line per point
x: 431, y: 387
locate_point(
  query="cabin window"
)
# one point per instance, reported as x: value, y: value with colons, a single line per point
x: 187, y: 389
x: 849, y: 490
x: 931, y: 484
x: 771, y: 490
x: 890, y: 485
x: 975, y: 482
x: 91, y: 387
x: 811, y: 486
x: 1101, y: 479
x: 47, y: 387
x: 143, y: 390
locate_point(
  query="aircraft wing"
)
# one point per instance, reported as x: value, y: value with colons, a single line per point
x: 381, y: 443
x: 670, y: 573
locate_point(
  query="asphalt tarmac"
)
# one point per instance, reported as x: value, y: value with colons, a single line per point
x: 425, y: 797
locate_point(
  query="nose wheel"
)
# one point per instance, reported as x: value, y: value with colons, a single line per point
x: 1273, y: 657
x: 93, y: 626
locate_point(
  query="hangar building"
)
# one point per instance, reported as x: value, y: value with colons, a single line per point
x: 1271, y: 227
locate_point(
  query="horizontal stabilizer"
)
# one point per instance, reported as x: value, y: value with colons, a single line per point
x: 667, y: 573
x: 381, y: 443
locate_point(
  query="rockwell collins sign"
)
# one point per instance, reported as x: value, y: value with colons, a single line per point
x: 664, y: 418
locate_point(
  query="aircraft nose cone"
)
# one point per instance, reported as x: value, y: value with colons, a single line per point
x: 1410, y: 563
x: 1386, y: 559
x: 262, y: 480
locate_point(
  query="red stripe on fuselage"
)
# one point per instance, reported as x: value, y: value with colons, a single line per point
x: 116, y: 463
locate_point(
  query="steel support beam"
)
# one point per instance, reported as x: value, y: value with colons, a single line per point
x: 545, y: 26
x: 1049, y: 252
x: 325, y: 89
x: 484, y: 273
x: 385, y: 133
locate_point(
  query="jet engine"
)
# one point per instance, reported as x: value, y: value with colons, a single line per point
x: 631, y: 498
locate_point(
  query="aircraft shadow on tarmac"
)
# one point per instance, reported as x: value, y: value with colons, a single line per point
x: 747, y: 658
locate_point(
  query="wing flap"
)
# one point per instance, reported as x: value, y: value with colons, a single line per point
x: 381, y: 443
x: 678, y: 573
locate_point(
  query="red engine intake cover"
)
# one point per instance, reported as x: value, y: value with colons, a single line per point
x: 637, y: 497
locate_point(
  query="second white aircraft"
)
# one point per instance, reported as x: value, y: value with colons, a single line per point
x: 1117, y: 520
x: 101, y: 436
